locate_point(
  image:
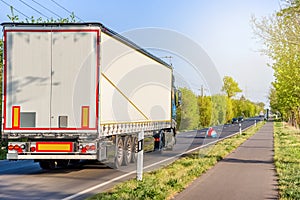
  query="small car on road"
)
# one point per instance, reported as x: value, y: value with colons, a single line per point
x: 240, y: 119
x: 234, y: 120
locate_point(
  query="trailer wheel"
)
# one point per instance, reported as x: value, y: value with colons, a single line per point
x: 127, y: 150
x: 135, y: 146
x: 119, y: 153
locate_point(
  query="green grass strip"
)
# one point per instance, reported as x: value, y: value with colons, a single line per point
x: 287, y: 160
x: 164, y: 183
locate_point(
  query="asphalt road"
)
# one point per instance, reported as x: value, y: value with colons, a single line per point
x: 26, y: 180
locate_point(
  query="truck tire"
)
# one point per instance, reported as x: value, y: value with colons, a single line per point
x: 127, y: 150
x: 119, y: 155
x: 135, y: 147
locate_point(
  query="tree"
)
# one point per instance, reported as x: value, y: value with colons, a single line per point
x: 230, y: 87
x: 229, y: 110
x: 205, y: 111
x: 219, y: 109
x: 281, y: 36
x: 188, y: 112
x: 15, y: 18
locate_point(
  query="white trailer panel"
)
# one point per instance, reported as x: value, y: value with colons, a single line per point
x: 27, y: 75
x: 134, y: 86
x: 64, y: 79
x: 51, y: 79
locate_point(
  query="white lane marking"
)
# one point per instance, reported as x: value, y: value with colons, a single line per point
x: 98, y: 186
x: 132, y: 172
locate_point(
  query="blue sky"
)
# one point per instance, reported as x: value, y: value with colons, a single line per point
x: 221, y: 28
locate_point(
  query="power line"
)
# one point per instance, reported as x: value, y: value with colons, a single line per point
x: 47, y: 9
x: 33, y: 9
x: 14, y: 9
x: 66, y: 10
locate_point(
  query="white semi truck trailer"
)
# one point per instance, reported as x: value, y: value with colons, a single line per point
x: 80, y: 91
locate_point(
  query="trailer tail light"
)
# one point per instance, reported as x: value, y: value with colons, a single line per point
x: 32, y: 149
x: 16, y: 147
x: 93, y: 148
x: 10, y: 147
x: 87, y: 148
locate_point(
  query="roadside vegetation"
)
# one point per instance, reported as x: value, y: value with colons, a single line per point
x: 287, y: 160
x: 166, y: 182
x: 199, y: 111
x: 280, y: 34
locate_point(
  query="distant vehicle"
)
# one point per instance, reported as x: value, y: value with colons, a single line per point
x: 261, y: 114
x: 234, y: 120
x: 240, y: 119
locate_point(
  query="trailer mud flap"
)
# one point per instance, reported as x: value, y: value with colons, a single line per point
x: 102, y: 153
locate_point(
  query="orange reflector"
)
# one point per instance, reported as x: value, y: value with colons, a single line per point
x: 16, y: 116
x: 54, y: 147
x: 85, y: 112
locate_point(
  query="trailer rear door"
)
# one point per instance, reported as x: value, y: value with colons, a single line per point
x: 50, y: 79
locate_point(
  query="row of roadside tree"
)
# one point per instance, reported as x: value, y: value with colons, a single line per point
x: 198, y: 111
x: 280, y: 34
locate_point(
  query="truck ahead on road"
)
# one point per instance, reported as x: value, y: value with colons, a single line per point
x: 80, y: 91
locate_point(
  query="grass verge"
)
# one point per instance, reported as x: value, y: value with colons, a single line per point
x: 164, y: 183
x: 287, y: 160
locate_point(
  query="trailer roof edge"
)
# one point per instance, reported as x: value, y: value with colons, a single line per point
x: 102, y: 27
